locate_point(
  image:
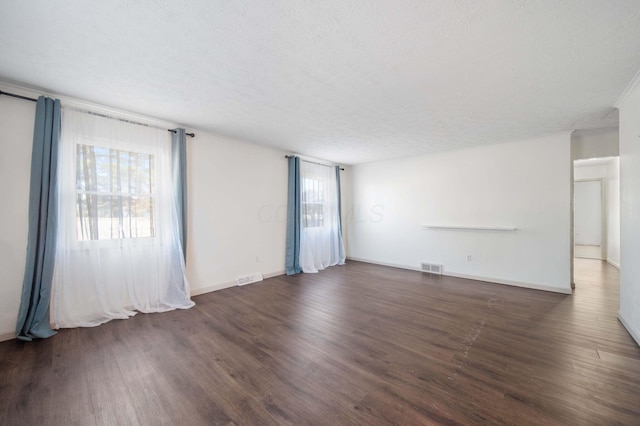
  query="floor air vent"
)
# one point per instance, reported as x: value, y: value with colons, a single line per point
x: 432, y: 268
x: 248, y: 279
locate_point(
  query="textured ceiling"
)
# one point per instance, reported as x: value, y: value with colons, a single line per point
x: 348, y: 81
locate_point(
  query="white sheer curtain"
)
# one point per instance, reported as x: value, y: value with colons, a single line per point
x: 118, y: 246
x: 320, y: 239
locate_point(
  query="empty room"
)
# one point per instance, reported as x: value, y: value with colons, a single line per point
x: 326, y: 213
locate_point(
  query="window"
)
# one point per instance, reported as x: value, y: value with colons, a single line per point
x: 321, y: 242
x: 114, y: 193
x: 312, y: 203
x: 118, y: 245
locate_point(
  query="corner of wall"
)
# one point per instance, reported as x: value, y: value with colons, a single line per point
x: 629, y: 105
x: 634, y: 332
x: 7, y: 335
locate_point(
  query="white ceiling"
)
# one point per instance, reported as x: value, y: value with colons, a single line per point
x: 348, y: 81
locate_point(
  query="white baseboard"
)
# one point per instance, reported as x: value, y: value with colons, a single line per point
x: 10, y: 335
x: 532, y: 286
x: 222, y: 286
x: 612, y: 263
x: 210, y: 288
x: 7, y: 335
x: 273, y: 274
x: 392, y: 265
x: 634, y: 332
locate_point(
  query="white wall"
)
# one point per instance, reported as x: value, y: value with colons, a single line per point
x: 595, y: 143
x: 237, y: 211
x: 16, y: 138
x: 524, y: 184
x: 237, y: 207
x: 613, y: 212
x: 346, y: 189
x: 583, y: 170
x: 587, y: 213
x: 630, y: 211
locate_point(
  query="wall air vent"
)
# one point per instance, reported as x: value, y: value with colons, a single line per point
x: 431, y: 268
x: 248, y: 279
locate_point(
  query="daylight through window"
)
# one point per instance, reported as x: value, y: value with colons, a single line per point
x: 312, y: 203
x: 115, y: 194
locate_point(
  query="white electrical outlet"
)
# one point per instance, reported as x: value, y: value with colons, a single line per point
x: 468, y: 258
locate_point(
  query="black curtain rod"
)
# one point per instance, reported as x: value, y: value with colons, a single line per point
x: 312, y: 162
x: 193, y: 135
x: 13, y: 95
x: 17, y: 96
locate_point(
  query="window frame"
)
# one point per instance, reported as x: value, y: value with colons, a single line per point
x: 128, y: 148
x: 323, y: 203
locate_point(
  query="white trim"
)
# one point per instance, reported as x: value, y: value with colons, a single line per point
x: 508, y: 141
x: 7, y: 335
x: 521, y: 284
x: 595, y: 161
x: 214, y: 287
x: 614, y: 264
x: 531, y: 286
x: 471, y: 228
x: 463, y: 148
x: 118, y: 113
x: 315, y: 160
x: 391, y: 265
x: 635, y: 333
x: 222, y: 286
x: 86, y: 105
x: 635, y: 81
x: 273, y: 274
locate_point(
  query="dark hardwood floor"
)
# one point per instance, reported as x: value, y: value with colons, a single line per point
x: 357, y: 344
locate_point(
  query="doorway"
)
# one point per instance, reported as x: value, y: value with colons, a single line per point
x: 596, y: 211
x: 589, y: 223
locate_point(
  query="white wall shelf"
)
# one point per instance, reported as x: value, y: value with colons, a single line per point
x: 471, y: 228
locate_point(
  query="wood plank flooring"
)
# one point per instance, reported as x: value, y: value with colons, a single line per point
x: 356, y: 344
